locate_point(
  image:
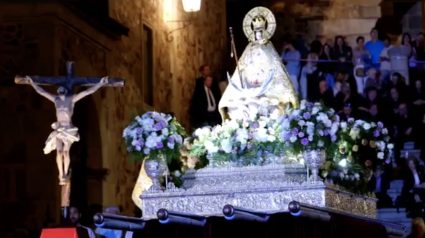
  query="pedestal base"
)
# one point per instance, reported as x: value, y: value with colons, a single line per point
x: 267, y: 189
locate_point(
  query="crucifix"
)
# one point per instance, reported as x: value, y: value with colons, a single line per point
x: 64, y: 132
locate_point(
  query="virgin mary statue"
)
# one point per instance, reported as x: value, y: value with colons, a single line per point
x: 260, y: 85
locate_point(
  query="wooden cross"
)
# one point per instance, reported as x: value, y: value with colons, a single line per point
x: 69, y: 81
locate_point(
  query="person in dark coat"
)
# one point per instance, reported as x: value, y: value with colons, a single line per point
x: 204, y: 105
x: 379, y: 183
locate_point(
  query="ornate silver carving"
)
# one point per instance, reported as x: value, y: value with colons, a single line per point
x: 155, y: 168
x: 267, y: 189
x: 314, y: 160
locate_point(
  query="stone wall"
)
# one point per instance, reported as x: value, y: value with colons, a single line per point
x: 412, y: 20
x: 37, y: 39
x: 324, y: 20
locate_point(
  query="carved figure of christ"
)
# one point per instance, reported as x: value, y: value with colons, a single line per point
x: 64, y: 132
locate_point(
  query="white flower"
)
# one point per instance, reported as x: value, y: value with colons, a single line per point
x: 384, y: 131
x: 242, y: 136
x: 293, y: 139
x: 177, y: 174
x: 320, y: 132
x: 310, y: 138
x: 262, y: 124
x: 343, y: 163
x: 275, y: 114
x: 210, y: 147
x: 328, y: 123
x: 301, y: 123
x: 355, y: 148
x: 152, y: 140
x: 315, y: 110
x: 325, y: 174
x: 366, y: 126
x: 226, y: 145
x: 343, y: 125
x: 165, y: 131
x: 390, y: 146
x: 271, y: 138
x: 373, y: 124
x: 261, y: 135
x: 380, y: 155
x: 354, y: 133
x: 322, y: 117
x: 341, y: 175
x: 320, y: 143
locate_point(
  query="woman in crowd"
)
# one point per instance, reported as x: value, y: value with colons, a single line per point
x: 344, y: 54
x: 407, y: 42
x: 413, y: 183
x: 328, y: 55
x: 360, y: 55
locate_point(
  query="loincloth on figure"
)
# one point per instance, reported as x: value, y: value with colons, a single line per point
x: 68, y: 134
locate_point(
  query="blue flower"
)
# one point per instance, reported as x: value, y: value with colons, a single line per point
x: 146, y: 151
x: 159, y: 145
x: 307, y: 115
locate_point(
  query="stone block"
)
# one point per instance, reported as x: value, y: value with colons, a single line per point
x: 348, y: 26
x: 370, y: 12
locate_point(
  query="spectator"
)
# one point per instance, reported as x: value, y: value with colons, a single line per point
x: 325, y: 94
x: 413, y: 178
x: 403, y: 123
x: 308, y: 81
x: 344, y: 54
x: 370, y: 99
x: 418, y: 99
x: 386, y: 67
x: 418, y: 228
x: 393, y: 103
x: 360, y: 55
x: 419, y: 47
x: 372, y: 80
x: 372, y: 115
x: 347, y: 113
x: 396, y: 80
x: 375, y: 47
x: 327, y: 55
x: 345, y: 97
x: 291, y: 58
x: 379, y: 184
x: 204, y: 110
x: 407, y: 42
x: 420, y: 55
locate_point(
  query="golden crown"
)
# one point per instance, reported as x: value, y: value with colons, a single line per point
x: 259, y: 23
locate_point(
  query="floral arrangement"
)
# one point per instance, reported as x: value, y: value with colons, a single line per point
x: 312, y: 127
x: 362, y: 146
x: 154, y: 135
x: 238, y: 140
